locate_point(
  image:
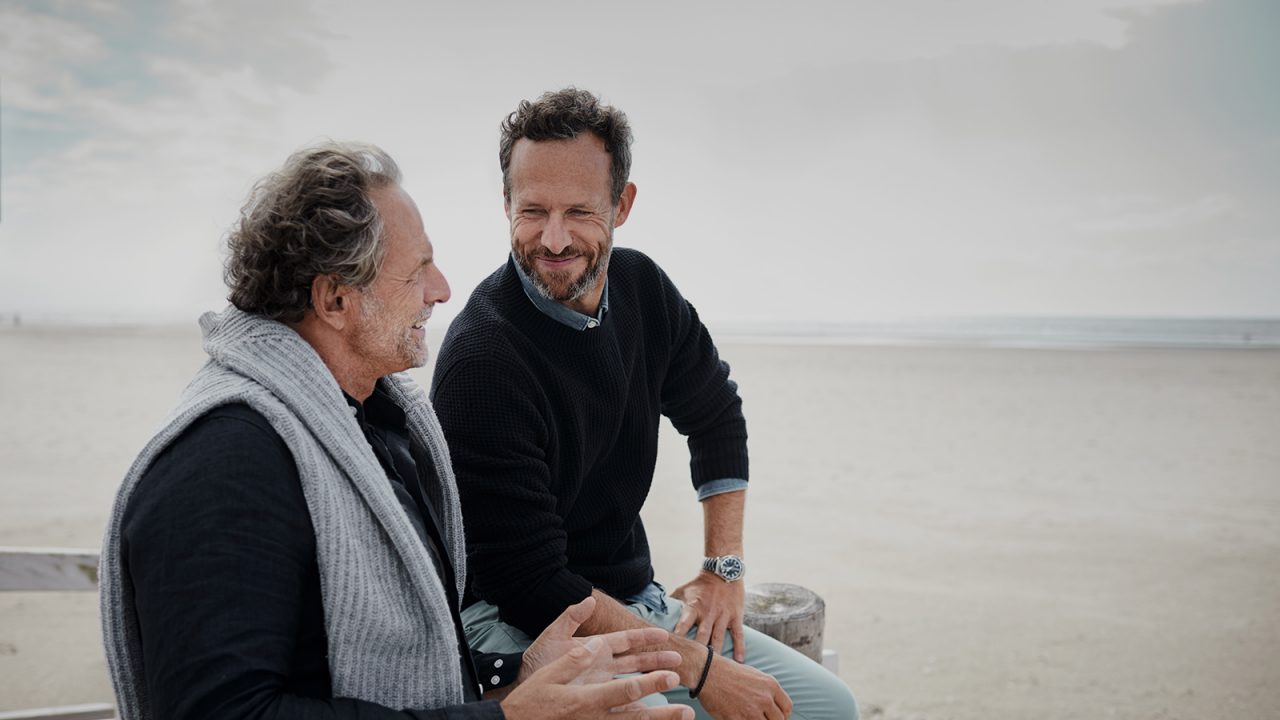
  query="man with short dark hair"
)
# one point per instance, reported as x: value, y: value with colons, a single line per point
x: 290, y: 544
x: 550, y: 386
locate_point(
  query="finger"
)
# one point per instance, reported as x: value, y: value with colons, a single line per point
x: 624, y: 641
x: 717, y: 634
x: 688, y: 616
x: 624, y: 691
x: 644, y: 662
x: 739, y: 640
x: 781, y: 697
x: 706, y: 626
x: 666, y: 712
x: 575, y: 662
x: 572, y: 617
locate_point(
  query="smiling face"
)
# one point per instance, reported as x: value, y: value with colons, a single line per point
x: 562, y: 217
x: 389, y: 336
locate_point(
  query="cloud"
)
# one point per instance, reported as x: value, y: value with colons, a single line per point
x: 872, y: 158
x: 39, y: 53
x: 1197, y: 212
x: 148, y: 166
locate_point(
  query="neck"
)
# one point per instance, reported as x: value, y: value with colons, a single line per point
x: 353, y: 376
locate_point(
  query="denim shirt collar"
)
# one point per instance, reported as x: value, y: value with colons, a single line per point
x: 556, y: 311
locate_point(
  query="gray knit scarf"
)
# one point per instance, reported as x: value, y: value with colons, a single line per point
x: 391, y: 637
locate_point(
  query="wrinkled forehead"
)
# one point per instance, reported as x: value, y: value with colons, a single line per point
x: 402, y: 230
x: 580, y: 162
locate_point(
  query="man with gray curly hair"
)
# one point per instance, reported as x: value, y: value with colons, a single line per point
x: 290, y: 544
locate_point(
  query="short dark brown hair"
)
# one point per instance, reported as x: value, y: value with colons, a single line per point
x: 314, y: 216
x: 564, y: 115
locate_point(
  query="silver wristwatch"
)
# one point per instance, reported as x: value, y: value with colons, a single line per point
x: 729, y: 568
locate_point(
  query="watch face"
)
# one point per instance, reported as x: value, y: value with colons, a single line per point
x: 730, y: 568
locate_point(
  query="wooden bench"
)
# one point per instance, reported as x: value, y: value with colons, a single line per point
x: 790, y: 614
x: 29, y: 569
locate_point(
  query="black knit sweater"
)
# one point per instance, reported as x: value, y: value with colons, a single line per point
x: 554, y: 433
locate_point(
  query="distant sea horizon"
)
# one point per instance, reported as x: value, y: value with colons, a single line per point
x: 1028, y: 332
x: 992, y: 331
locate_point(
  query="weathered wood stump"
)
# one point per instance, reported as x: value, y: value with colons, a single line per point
x: 790, y: 614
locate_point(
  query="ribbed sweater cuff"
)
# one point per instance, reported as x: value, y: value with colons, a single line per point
x: 715, y: 459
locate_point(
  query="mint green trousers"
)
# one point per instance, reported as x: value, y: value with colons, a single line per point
x: 817, y: 694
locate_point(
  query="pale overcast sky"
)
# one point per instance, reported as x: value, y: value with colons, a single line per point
x: 796, y: 162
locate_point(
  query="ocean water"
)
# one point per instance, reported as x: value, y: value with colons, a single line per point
x: 1027, y: 332
x: 1030, y: 332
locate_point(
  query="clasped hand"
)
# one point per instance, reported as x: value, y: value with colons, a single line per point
x: 733, y: 691
x: 562, y: 676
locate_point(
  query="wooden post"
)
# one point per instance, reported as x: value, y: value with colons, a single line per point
x: 790, y: 614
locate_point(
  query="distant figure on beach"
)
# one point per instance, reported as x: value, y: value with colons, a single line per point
x: 290, y: 544
x: 550, y: 385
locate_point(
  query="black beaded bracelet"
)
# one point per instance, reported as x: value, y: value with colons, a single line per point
x: 705, y: 669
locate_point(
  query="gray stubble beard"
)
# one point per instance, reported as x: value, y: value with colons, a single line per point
x: 580, y: 287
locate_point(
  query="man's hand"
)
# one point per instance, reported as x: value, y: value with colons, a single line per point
x: 714, y: 606
x: 622, y: 647
x: 741, y: 692
x: 557, y: 690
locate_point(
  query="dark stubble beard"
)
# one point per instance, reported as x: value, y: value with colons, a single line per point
x: 577, y: 289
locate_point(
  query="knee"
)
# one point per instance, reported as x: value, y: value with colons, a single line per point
x: 850, y: 704
x: 832, y: 701
x: 843, y: 704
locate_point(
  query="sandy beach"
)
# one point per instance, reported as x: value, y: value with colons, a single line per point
x: 997, y: 533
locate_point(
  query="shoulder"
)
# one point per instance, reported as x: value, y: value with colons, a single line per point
x: 479, y: 323
x: 233, y: 429
x: 634, y: 272
x: 630, y: 262
x: 484, y: 334
x: 230, y: 456
x: 640, y: 289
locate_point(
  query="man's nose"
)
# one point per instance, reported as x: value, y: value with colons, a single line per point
x: 555, y: 236
x: 436, y: 289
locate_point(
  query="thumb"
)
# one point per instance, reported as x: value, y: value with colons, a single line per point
x: 572, y: 617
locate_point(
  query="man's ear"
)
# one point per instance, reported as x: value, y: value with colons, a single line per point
x: 506, y: 204
x: 625, y: 202
x: 333, y: 302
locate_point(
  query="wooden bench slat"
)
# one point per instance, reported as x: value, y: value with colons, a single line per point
x: 48, y: 569
x: 96, y: 711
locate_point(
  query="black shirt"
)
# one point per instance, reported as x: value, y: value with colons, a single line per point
x: 220, y: 549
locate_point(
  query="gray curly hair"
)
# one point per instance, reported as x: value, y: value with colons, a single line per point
x: 564, y: 115
x: 314, y: 216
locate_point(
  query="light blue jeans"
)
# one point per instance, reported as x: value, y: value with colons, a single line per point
x: 816, y: 693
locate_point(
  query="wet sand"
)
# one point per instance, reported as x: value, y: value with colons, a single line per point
x: 998, y: 533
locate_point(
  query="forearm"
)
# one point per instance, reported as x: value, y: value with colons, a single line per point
x: 722, y: 520
x: 714, y: 602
